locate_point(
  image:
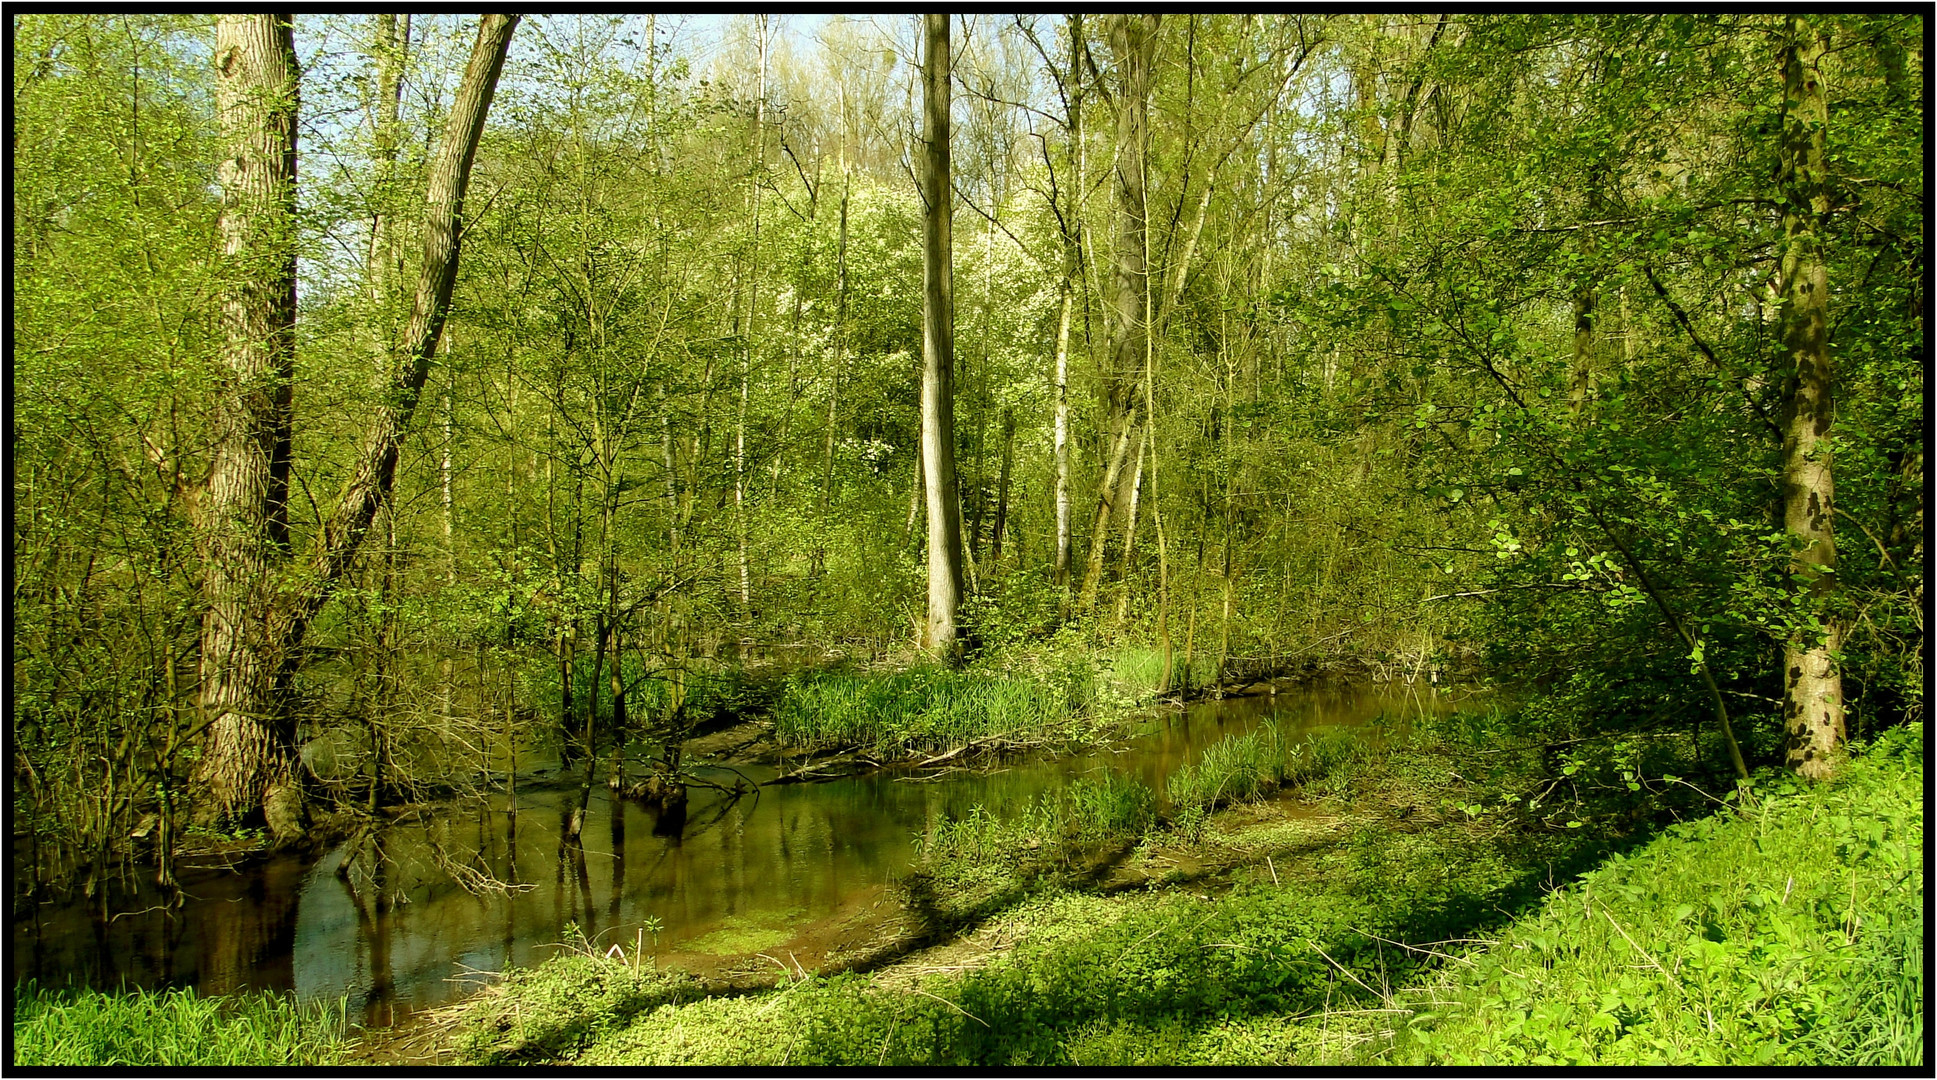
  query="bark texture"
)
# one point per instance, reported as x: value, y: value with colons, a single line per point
x: 248, y: 755
x: 938, y: 354
x: 1812, y: 685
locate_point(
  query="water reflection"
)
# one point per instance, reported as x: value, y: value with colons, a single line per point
x: 405, y: 918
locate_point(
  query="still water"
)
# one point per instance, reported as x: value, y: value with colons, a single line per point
x: 728, y: 876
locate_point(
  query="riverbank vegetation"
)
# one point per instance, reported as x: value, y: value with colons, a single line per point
x: 1785, y: 927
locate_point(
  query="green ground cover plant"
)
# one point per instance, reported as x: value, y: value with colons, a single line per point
x: 1787, y: 930
x: 551, y: 1011
x: 171, y: 1029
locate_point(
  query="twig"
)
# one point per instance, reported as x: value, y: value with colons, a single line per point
x: 1637, y: 948
x: 1340, y: 967
x: 951, y: 1005
x: 1427, y: 951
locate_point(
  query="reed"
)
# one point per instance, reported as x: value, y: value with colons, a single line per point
x: 919, y: 710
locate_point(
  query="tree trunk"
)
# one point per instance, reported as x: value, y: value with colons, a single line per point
x: 1061, y: 390
x: 1105, y: 503
x: 1133, y: 42
x: 380, y: 273
x: 840, y: 330
x: 248, y: 759
x: 1002, y: 485
x: 1156, y: 508
x: 248, y: 766
x: 938, y: 354
x: 381, y: 266
x: 1580, y: 381
x: 1072, y: 229
x: 1134, y: 486
x: 746, y: 351
x: 1812, y: 686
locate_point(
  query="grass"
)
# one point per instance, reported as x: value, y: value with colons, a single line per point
x: 1789, y: 932
x: 1039, y: 693
x: 1237, y: 768
x: 1140, y: 672
x: 171, y: 1029
x: 1108, y: 806
x: 922, y: 710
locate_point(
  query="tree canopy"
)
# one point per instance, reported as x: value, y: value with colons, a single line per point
x: 1584, y: 349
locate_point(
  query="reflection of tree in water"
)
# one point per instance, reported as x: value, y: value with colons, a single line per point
x: 669, y: 823
x: 365, y: 873
x: 225, y: 930
x: 251, y: 944
x: 571, y: 857
x: 617, y: 837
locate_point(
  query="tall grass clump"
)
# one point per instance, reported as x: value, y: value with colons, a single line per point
x: 919, y: 710
x: 1241, y: 767
x: 171, y: 1029
x: 1138, y: 673
x: 1110, y: 806
x: 1788, y: 931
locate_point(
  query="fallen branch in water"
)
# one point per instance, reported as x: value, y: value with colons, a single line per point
x: 819, y: 770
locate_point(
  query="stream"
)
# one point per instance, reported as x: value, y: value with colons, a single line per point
x: 474, y: 888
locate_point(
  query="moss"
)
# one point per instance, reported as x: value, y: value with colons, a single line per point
x: 745, y: 934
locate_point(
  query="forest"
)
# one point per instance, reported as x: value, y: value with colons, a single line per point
x: 420, y: 417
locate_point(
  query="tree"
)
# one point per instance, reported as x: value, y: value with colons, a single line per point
x: 938, y: 353
x: 1812, y: 684
x: 248, y: 762
x: 1133, y: 45
x: 257, y: 614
